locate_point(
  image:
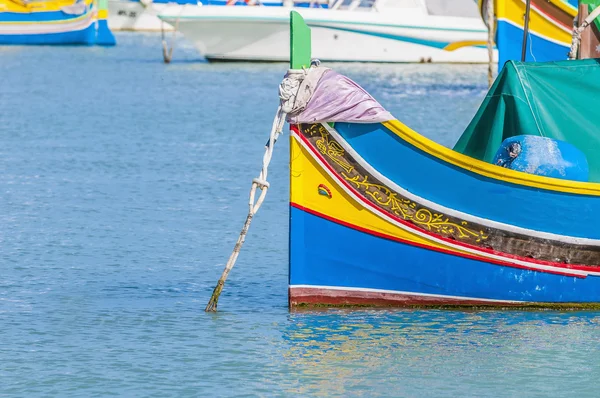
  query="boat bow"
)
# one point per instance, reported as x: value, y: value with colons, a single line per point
x: 381, y: 215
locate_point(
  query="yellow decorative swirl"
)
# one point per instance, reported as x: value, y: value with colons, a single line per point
x: 328, y: 147
x: 386, y: 198
x: 408, y: 210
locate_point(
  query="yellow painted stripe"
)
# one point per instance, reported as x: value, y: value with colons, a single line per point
x: 538, y: 24
x: 513, y: 10
x: 460, y: 44
x: 564, y: 6
x: 58, y: 22
x: 487, y: 169
x: 305, y: 177
x: 26, y: 8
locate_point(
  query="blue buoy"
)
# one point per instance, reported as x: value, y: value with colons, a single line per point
x: 543, y: 156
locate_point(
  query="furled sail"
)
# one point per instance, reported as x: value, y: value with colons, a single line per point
x: 327, y: 96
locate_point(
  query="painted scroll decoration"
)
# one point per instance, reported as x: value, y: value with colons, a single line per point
x: 438, y: 223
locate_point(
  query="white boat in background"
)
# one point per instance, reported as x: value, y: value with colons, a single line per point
x: 136, y: 15
x: 142, y: 15
x: 350, y: 30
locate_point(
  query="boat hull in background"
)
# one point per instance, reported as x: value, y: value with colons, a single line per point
x: 262, y: 34
x: 135, y: 16
x: 48, y: 28
x: 54, y: 22
x: 550, y: 28
x: 131, y: 15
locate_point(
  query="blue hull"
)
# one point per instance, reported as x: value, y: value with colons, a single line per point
x: 456, y: 188
x: 510, y: 38
x: 85, y: 36
x: 104, y: 36
x: 326, y: 254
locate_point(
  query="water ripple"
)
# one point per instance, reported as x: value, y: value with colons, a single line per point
x: 123, y: 187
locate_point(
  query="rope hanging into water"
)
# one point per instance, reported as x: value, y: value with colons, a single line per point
x: 288, y: 90
x: 168, y: 51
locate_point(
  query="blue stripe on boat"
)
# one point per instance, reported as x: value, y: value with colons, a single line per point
x: 324, y: 253
x: 407, y: 39
x: 456, y: 188
x: 509, y: 39
x: 85, y: 36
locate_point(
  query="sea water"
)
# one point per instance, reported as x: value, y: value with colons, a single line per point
x: 123, y: 187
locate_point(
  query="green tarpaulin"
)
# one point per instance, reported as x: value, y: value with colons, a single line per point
x: 559, y: 100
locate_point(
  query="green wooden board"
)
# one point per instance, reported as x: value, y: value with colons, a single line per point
x: 299, y: 42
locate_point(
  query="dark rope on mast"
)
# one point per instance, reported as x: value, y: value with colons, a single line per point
x: 525, y: 31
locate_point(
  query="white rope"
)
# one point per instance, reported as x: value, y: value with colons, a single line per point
x: 288, y: 90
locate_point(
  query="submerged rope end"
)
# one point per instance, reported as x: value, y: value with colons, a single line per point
x: 214, y: 299
x: 167, y: 53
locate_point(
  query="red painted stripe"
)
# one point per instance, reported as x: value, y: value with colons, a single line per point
x: 320, y: 296
x: 367, y: 203
x: 549, y: 17
x: 428, y: 247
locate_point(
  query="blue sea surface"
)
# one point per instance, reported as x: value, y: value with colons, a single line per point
x: 123, y: 187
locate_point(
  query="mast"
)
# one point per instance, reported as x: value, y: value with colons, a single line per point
x: 525, y: 31
x: 490, y: 42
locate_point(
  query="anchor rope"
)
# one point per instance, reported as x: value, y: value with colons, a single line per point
x: 168, y: 52
x: 288, y: 91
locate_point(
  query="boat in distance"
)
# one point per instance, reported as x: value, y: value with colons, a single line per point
x: 142, y: 15
x: 349, y: 30
x: 54, y: 22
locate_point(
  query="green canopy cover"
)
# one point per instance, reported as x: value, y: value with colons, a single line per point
x: 558, y: 100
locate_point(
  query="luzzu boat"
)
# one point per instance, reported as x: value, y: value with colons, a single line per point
x: 54, y: 22
x: 550, y: 28
x: 380, y: 215
x: 349, y: 30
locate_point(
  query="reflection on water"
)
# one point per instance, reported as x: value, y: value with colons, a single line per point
x: 416, y: 353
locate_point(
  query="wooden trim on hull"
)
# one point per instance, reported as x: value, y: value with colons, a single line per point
x: 321, y: 296
x: 312, y: 297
